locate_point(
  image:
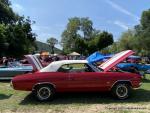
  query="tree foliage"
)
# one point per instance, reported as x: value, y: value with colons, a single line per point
x: 144, y: 36
x: 16, y: 37
x: 52, y: 42
x: 6, y: 13
x: 138, y: 38
x: 3, y: 44
x: 80, y: 36
x: 127, y: 40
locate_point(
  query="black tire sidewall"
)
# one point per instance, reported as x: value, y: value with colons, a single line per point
x: 47, y: 86
x: 113, y: 91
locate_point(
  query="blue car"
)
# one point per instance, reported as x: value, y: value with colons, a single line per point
x: 139, y: 67
x: 13, y: 69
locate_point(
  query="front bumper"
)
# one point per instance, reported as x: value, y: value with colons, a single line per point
x: 137, y: 87
x: 11, y: 84
x: 140, y: 84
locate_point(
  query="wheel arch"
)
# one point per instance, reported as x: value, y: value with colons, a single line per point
x: 121, y: 81
x: 43, y: 83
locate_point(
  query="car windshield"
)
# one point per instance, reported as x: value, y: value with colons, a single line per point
x: 96, y: 68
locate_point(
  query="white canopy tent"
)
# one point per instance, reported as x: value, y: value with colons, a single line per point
x: 74, y: 54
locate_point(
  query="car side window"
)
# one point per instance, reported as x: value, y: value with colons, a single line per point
x: 64, y: 68
x: 75, y: 68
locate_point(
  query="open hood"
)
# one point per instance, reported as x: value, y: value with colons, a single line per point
x: 34, y: 61
x: 117, y: 58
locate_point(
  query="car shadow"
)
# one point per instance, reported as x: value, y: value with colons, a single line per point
x: 146, y: 81
x: 5, y: 81
x: 3, y: 96
x: 139, y: 95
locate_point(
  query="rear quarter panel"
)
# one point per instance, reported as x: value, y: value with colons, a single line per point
x: 115, y: 77
x: 28, y: 81
x: 24, y: 82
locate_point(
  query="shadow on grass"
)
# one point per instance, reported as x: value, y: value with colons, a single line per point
x: 146, y: 80
x: 90, y: 98
x: 5, y: 81
x: 3, y: 96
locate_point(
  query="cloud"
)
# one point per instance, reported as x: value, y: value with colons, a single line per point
x: 17, y: 8
x: 121, y: 24
x: 123, y: 10
x: 40, y: 28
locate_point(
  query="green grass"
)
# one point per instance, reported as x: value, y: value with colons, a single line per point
x: 19, y: 101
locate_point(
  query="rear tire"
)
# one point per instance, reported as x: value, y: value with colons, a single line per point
x: 121, y: 91
x: 44, y: 92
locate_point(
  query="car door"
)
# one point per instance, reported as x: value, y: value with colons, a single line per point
x: 62, y: 76
x: 85, y: 79
x: 61, y: 81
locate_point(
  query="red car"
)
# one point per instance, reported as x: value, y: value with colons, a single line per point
x: 78, y: 76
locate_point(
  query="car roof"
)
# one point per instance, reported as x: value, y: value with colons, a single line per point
x: 54, y: 66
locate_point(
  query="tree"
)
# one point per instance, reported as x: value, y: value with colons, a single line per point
x: 6, y: 13
x: 3, y: 43
x: 20, y: 38
x: 137, y: 39
x: 114, y: 48
x: 70, y: 34
x: 16, y: 36
x: 80, y: 34
x: 143, y: 33
x: 104, y: 39
x: 145, y: 19
x: 80, y: 45
x: 52, y: 42
x: 76, y: 28
x: 6, y: 2
x: 126, y: 40
x: 145, y: 27
x: 86, y: 27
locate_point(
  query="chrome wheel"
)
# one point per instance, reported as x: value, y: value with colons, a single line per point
x: 122, y: 91
x: 43, y: 93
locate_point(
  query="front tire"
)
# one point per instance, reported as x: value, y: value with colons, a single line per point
x: 121, y: 91
x: 44, y: 92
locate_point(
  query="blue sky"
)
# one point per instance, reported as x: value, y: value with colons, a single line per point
x: 51, y: 16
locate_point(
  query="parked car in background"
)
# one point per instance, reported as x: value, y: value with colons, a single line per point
x: 140, y: 67
x: 14, y: 69
x: 79, y: 76
x: 133, y: 59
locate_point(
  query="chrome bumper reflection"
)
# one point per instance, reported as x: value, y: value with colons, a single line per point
x: 11, y: 84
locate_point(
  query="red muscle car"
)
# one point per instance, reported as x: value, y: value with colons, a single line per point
x: 78, y: 76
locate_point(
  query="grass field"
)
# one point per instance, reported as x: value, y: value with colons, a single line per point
x: 12, y: 101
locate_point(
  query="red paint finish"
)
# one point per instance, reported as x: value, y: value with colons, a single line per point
x: 75, y: 82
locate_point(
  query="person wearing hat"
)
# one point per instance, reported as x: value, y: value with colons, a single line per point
x: 5, y: 61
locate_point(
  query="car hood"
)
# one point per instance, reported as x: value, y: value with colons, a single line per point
x: 117, y: 58
x: 34, y: 61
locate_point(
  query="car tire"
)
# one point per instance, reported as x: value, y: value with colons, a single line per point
x: 121, y: 91
x: 44, y: 92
